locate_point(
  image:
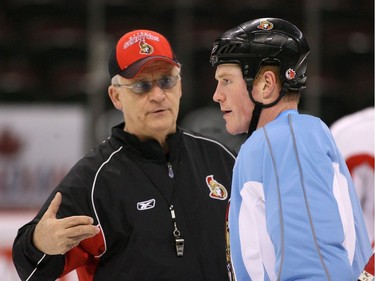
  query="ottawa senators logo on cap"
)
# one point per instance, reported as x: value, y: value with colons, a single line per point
x: 217, y: 190
x: 145, y: 48
x: 265, y: 25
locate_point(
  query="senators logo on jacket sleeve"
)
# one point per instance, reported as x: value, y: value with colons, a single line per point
x: 217, y: 190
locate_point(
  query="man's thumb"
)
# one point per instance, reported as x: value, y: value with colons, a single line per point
x: 54, y: 205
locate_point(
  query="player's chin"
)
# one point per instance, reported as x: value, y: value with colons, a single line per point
x: 230, y: 129
x: 233, y: 129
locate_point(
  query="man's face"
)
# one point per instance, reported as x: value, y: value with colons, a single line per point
x: 150, y: 115
x: 232, y: 95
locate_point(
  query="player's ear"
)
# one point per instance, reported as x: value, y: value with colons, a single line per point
x: 114, y: 95
x: 269, y: 85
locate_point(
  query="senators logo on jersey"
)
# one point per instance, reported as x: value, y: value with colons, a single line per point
x: 217, y: 190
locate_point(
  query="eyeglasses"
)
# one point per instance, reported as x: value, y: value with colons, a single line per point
x: 142, y: 87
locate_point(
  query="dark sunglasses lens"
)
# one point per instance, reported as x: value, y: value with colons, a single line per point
x: 142, y: 87
x: 167, y: 82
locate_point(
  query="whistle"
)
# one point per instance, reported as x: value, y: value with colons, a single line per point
x: 179, y: 247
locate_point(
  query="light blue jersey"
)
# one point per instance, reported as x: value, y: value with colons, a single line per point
x: 294, y: 214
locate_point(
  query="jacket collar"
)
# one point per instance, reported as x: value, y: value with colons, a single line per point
x: 149, y: 150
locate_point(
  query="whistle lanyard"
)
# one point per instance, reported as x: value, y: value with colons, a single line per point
x: 179, y: 240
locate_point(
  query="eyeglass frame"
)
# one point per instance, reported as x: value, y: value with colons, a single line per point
x: 151, y: 83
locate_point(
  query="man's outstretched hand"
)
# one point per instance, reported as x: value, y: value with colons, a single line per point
x: 54, y: 236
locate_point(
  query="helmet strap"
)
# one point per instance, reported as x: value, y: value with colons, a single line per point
x: 255, y: 118
x: 281, y: 94
x: 257, y: 109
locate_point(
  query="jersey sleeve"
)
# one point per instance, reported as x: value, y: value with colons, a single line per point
x: 31, y: 264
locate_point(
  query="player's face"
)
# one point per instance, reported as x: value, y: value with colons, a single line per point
x: 232, y: 95
x: 153, y: 114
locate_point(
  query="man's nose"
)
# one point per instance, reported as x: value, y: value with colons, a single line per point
x: 156, y: 93
x: 217, y: 96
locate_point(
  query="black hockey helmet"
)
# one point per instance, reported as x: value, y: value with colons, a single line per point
x: 265, y: 41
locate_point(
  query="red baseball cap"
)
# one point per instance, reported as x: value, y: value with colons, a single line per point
x: 137, y: 48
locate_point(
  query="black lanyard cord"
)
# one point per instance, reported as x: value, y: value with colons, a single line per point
x: 179, y: 241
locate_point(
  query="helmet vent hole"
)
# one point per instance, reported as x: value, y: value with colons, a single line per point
x: 229, y: 48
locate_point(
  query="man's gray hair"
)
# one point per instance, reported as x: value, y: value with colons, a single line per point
x: 115, y: 80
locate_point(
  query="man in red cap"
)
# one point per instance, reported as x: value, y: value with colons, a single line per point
x: 137, y: 206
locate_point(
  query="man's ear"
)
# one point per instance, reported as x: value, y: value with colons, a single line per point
x: 114, y: 95
x: 269, y: 85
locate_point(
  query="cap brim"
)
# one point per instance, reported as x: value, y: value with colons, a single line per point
x: 134, y: 68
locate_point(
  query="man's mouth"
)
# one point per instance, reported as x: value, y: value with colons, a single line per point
x: 159, y: 110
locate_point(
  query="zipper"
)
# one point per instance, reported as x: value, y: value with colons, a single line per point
x: 170, y: 170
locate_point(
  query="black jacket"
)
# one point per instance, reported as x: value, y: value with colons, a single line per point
x: 127, y: 187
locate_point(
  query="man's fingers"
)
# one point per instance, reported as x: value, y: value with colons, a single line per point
x: 54, y: 206
x: 76, y: 221
x: 55, y: 236
x: 82, y: 232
